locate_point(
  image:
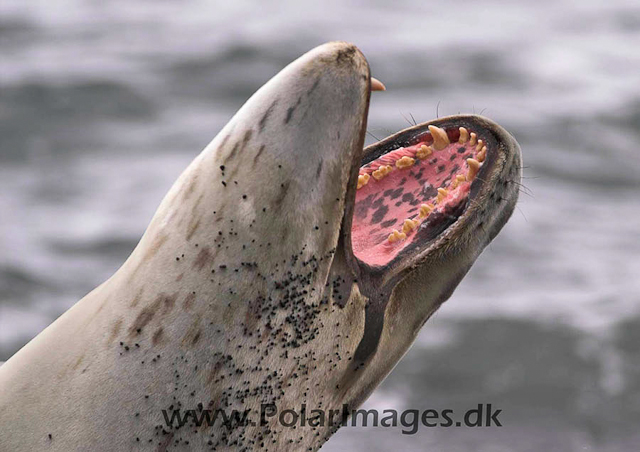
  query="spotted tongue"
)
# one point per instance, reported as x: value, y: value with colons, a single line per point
x: 411, y: 188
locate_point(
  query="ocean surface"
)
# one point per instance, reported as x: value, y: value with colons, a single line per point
x: 103, y: 104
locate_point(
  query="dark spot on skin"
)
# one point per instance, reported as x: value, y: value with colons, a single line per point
x: 157, y: 243
x: 247, y: 137
x: 461, y: 150
x: 239, y: 146
x: 141, y: 321
x: 285, y: 232
x: 284, y: 187
x: 290, y: 111
x: 388, y: 223
x: 429, y: 191
x: 454, y: 170
x: 224, y: 141
x: 362, y: 207
x: 452, y: 158
x: 188, y: 300
x: 313, y: 87
x: 265, y: 117
x: 440, y: 169
x: 190, y: 188
x: 395, y: 193
x: 255, y: 159
x: 193, y: 227
x: 232, y: 153
x: 115, y: 330
x: 162, y: 447
x: 78, y: 362
x: 319, y: 169
x: 379, y: 214
x: 136, y: 299
x: 204, y: 258
x: 407, y: 197
x: 157, y: 336
x: 163, y: 301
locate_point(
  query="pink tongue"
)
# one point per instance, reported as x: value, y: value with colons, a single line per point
x: 384, y: 205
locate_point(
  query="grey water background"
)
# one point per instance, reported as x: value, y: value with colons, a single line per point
x: 103, y: 104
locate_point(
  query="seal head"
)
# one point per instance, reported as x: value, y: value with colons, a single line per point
x: 286, y: 267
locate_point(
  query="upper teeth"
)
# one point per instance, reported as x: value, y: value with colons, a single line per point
x: 381, y: 172
x: 440, y: 138
x: 424, y: 152
x: 404, y: 162
x: 472, y: 140
x: 363, y: 179
x: 464, y: 135
x: 395, y: 236
x: 474, y: 166
x: 442, y: 193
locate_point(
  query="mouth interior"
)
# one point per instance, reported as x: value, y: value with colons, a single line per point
x: 413, y: 193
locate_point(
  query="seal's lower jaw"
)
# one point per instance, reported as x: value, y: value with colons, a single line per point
x: 418, y: 186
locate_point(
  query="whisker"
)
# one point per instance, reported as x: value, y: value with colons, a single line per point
x: 406, y: 119
x: 375, y: 137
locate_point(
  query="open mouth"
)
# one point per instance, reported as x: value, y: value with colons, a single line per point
x: 414, y: 185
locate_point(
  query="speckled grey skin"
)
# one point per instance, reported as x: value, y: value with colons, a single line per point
x: 244, y: 290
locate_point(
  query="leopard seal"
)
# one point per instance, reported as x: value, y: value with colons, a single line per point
x: 286, y: 266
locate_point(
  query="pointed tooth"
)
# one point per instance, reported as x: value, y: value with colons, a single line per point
x: 442, y: 193
x: 377, y: 85
x: 464, y: 135
x: 402, y: 235
x: 474, y: 166
x: 393, y: 237
x: 424, y: 152
x: 440, y: 138
x: 480, y: 145
x: 480, y: 156
x: 404, y: 162
x: 473, y: 139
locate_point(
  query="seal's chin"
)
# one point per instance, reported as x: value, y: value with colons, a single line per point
x: 416, y: 184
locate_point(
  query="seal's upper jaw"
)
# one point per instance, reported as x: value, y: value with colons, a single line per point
x: 433, y: 189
